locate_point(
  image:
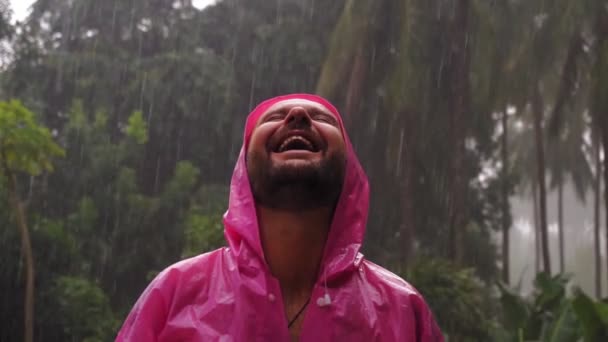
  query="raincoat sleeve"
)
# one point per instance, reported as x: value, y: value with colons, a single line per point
x: 149, y: 315
x: 427, y: 326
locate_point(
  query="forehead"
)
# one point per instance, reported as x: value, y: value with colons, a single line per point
x: 284, y: 104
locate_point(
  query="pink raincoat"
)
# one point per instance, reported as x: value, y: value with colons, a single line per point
x: 230, y: 295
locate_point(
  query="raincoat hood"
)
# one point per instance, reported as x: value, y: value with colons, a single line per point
x: 230, y: 295
x: 350, y: 216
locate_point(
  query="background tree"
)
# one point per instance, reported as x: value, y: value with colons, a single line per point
x: 24, y: 147
x: 597, y: 195
x: 599, y: 84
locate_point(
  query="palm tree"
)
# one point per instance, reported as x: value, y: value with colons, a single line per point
x: 566, y: 130
x: 541, y: 51
x: 597, y: 191
x: 347, y: 63
x: 566, y: 159
x: 505, y: 196
x: 538, y: 113
x: 599, y: 85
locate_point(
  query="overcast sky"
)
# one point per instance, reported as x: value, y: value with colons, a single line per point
x: 21, y: 7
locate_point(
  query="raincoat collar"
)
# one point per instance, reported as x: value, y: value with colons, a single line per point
x: 341, y: 254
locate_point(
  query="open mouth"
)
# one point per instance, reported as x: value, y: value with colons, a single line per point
x: 296, y: 143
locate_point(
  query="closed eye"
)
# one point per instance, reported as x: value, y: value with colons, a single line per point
x: 324, y: 118
x: 276, y: 116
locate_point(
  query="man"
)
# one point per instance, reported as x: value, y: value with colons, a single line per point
x: 292, y: 271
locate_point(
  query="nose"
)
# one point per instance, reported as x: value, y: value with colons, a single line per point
x: 298, y: 115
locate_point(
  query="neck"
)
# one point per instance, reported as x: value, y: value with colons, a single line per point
x: 293, y: 243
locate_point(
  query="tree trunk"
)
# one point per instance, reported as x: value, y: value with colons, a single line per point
x: 348, y: 43
x: 459, y: 93
x: 605, y: 148
x: 407, y: 222
x: 537, y: 109
x: 505, y: 199
x: 560, y: 223
x: 28, y: 256
x: 355, y: 84
x: 605, y: 169
x: 601, y: 106
x: 407, y: 199
x: 409, y: 138
x: 596, y: 223
x: 536, y: 227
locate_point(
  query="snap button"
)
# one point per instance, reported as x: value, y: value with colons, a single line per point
x: 271, y: 297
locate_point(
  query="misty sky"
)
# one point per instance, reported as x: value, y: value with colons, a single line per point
x: 21, y: 7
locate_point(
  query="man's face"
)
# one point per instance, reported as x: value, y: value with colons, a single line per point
x: 296, y: 156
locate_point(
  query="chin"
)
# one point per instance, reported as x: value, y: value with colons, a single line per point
x: 296, y: 171
x: 284, y: 183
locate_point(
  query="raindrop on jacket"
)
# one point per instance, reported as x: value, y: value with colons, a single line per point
x: 230, y: 295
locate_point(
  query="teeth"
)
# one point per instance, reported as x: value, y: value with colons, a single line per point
x: 293, y: 138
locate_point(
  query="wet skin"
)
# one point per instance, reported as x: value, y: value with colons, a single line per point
x: 300, y: 143
x: 297, y: 118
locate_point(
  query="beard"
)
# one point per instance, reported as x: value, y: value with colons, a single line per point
x: 296, y: 187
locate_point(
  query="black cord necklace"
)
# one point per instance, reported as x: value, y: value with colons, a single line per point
x: 295, y: 318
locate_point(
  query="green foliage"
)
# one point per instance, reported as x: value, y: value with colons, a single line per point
x: 6, y: 29
x: 203, y: 233
x: 83, y: 309
x: 25, y: 146
x: 137, y: 128
x: 459, y: 300
x: 203, y: 228
x: 52, y: 232
x: 179, y: 188
x: 550, y: 315
x: 593, y: 316
x: 86, y: 215
x: 350, y: 33
x: 77, y: 116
